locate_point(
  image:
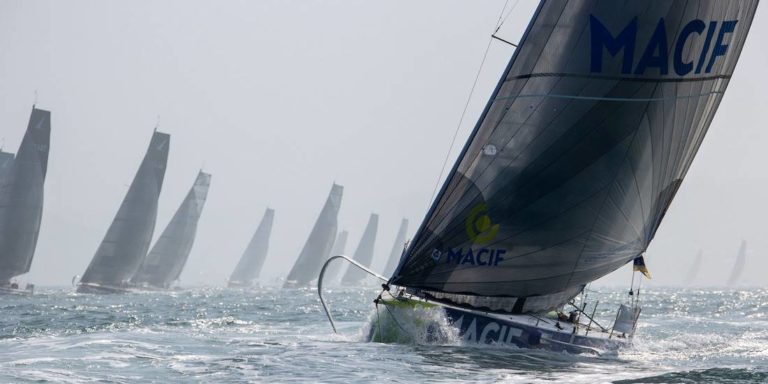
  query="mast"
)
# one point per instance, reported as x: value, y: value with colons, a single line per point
x: 166, y: 260
x: 364, y: 252
x: 694, y: 271
x: 578, y: 153
x: 127, y: 240
x: 21, y: 196
x: 252, y: 260
x: 317, y: 249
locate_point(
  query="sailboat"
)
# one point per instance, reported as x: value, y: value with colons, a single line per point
x: 363, y: 253
x: 164, y: 263
x: 318, y: 246
x: 738, y: 265
x: 249, y: 266
x: 694, y: 271
x: 397, y: 249
x: 568, y: 173
x: 21, y: 200
x: 125, y: 245
x: 339, y: 248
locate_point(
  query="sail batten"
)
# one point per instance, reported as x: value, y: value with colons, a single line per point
x: 165, y: 261
x: 22, y: 177
x: 127, y: 240
x: 251, y: 262
x: 317, y: 249
x: 579, y: 152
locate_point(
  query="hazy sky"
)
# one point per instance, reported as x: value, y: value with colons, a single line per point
x: 280, y: 98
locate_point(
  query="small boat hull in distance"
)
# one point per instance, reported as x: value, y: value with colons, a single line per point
x: 95, y: 288
x: 239, y: 284
x: 403, y: 319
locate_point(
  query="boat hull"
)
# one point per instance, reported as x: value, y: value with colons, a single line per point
x: 477, y: 327
x: 15, y: 291
x: 101, y: 289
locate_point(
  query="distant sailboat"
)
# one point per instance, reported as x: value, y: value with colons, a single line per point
x: 364, y: 252
x: 738, y: 265
x: 695, y: 267
x: 252, y: 260
x: 166, y: 260
x: 339, y: 248
x: 568, y: 173
x: 21, y: 199
x: 125, y: 245
x: 318, y: 246
x: 397, y: 248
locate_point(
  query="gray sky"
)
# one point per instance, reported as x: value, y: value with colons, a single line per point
x: 279, y: 98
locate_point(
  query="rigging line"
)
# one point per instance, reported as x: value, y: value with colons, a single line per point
x: 463, y: 114
x: 507, y: 16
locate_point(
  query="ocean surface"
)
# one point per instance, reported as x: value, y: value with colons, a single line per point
x: 223, y: 335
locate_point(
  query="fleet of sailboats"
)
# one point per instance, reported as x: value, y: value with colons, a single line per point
x: 565, y: 178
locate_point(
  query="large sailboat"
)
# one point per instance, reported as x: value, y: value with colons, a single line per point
x: 164, y: 263
x: 125, y: 245
x: 252, y: 260
x: 738, y: 265
x: 318, y: 246
x: 569, y: 172
x: 363, y: 253
x: 21, y: 200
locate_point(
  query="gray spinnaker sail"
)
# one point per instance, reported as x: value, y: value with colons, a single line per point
x: 695, y: 268
x: 333, y: 274
x: 252, y: 260
x: 21, y: 196
x: 166, y: 259
x: 738, y: 265
x: 364, y: 252
x: 397, y: 249
x: 578, y: 153
x: 125, y: 245
x: 317, y: 249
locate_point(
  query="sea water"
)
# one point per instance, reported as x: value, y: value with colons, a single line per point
x: 277, y: 335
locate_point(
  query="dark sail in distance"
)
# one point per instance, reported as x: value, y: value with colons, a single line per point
x: 21, y: 196
x: 317, y: 249
x: 125, y: 245
x: 166, y: 260
x: 364, y: 252
x: 578, y: 153
x: 252, y: 260
x: 397, y: 249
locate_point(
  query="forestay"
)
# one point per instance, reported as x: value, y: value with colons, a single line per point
x: 21, y: 196
x: 125, y: 245
x: 166, y: 260
x: 579, y: 152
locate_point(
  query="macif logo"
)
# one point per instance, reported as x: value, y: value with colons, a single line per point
x: 657, y: 54
x: 480, y: 230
